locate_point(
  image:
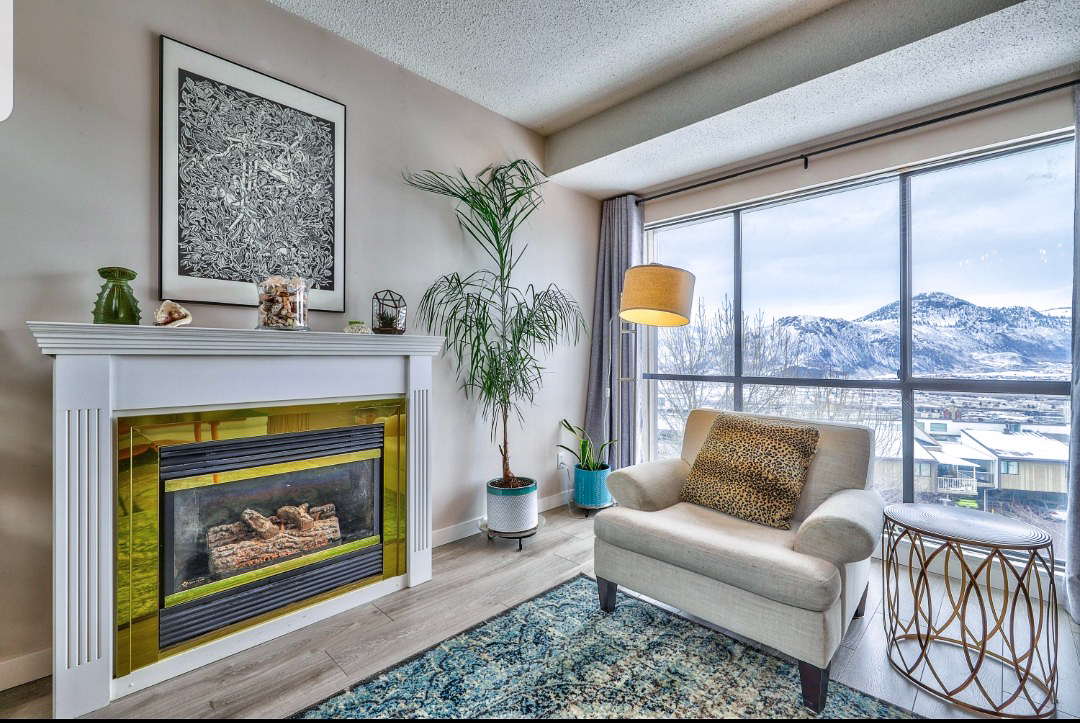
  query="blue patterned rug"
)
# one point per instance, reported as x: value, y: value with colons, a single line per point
x: 558, y: 656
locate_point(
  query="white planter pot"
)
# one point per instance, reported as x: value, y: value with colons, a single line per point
x: 511, y: 509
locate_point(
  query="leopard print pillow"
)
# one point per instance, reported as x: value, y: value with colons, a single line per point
x: 752, y: 468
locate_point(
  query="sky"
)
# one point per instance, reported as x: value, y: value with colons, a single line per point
x: 996, y: 232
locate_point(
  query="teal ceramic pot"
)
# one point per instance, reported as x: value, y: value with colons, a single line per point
x: 590, y: 487
x: 512, y: 509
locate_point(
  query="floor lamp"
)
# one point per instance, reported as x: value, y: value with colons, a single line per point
x: 653, y: 295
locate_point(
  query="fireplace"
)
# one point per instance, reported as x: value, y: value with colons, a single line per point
x: 227, y: 518
x: 115, y: 388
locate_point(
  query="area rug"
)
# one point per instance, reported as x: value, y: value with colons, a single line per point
x: 558, y: 656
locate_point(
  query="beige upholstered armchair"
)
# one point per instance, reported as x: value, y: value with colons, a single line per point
x: 793, y: 590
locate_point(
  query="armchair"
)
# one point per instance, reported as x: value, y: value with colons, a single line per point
x: 793, y: 590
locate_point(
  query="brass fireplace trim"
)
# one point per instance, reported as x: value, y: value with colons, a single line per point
x: 265, y: 470
x: 138, y: 440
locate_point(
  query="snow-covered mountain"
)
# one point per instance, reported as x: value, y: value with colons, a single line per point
x: 951, y: 336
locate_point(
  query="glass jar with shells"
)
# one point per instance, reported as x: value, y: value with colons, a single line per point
x: 283, y: 303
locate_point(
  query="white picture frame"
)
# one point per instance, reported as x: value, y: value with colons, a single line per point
x: 262, y: 190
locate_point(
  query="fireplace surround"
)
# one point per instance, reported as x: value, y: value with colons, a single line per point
x: 109, y: 380
x: 226, y: 518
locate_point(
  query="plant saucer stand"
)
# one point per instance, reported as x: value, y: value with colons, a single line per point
x: 519, y: 536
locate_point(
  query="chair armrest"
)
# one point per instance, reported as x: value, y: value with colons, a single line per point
x: 844, y: 528
x: 649, y: 486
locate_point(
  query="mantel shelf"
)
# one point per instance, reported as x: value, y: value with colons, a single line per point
x: 56, y: 338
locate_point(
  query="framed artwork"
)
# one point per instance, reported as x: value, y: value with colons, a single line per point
x: 252, y: 182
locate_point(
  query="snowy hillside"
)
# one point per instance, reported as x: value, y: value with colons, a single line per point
x: 951, y: 337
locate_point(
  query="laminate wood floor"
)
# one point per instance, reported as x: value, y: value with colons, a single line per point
x: 474, y: 579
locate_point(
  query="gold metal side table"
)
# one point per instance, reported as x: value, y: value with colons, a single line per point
x: 986, y: 636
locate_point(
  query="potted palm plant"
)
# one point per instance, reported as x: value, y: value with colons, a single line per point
x: 497, y: 330
x: 590, y: 472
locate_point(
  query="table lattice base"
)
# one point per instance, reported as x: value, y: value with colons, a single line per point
x: 988, y: 641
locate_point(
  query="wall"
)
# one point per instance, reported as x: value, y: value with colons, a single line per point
x: 1049, y: 112
x: 1036, y: 477
x: 78, y: 190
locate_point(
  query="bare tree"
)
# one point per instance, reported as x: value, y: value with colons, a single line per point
x: 706, y: 347
x: 703, y: 347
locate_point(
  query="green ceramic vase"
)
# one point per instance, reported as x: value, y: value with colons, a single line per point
x: 116, y: 303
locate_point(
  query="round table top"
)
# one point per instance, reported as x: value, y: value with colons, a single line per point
x: 974, y: 527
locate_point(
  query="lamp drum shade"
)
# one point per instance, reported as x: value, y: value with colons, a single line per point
x: 657, y: 295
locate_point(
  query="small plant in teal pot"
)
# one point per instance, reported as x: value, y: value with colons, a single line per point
x: 591, y: 471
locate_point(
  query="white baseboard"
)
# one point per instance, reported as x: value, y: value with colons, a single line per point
x: 460, y: 531
x: 24, y: 668
x: 556, y: 500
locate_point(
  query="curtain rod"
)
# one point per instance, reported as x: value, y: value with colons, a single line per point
x: 805, y: 157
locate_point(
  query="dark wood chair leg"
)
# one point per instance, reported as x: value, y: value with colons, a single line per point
x: 861, y: 610
x: 607, y: 590
x: 815, y: 686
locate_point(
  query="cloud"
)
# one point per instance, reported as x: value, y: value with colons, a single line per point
x: 995, y: 232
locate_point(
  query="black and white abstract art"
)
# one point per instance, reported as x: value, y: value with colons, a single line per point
x: 252, y: 182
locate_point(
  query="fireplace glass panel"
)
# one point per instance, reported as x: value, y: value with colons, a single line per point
x: 172, y: 469
x: 218, y: 536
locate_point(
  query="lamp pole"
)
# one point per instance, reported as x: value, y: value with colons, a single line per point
x: 617, y: 330
x: 653, y: 295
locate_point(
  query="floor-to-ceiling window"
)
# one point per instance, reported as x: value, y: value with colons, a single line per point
x: 931, y: 305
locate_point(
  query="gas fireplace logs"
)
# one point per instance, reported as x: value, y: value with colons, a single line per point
x: 262, y: 527
x: 297, y: 516
x: 257, y: 539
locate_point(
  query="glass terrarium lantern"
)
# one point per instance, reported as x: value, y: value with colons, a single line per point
x: 388, y: 312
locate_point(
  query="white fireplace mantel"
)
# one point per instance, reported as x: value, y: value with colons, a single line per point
x: 56, y: 338
x: 103, y: 371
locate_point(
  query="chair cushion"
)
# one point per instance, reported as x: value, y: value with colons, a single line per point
x: 752, y: 468
x: 841, y: 461
x: 751, y: 557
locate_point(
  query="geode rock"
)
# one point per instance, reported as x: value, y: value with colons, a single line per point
x: 357, y: 327
x: 171, y: 314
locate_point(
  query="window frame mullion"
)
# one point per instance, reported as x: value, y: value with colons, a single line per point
x: 737, y: 305
x: 907, y: 389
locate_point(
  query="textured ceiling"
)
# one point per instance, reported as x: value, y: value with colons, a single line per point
x: 548, y: 64
x: 1029, y: 42
x: 639, y: 94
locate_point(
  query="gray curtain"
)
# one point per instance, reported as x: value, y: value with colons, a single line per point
x: 1072, y: 544
x: 620, y: 248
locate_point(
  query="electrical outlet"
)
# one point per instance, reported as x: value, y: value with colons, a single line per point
x: 561, y: 464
